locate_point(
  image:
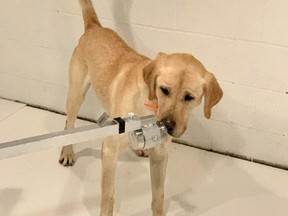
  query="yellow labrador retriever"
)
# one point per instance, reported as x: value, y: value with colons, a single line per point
x: 169, y: 86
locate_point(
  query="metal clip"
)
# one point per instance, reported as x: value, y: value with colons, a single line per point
x: 103, y: 119
x: 151, y: 135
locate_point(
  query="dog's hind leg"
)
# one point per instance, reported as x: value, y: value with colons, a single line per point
x: 78, y: 86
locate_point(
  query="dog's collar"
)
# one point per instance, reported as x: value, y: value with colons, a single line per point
x: 152, y: 105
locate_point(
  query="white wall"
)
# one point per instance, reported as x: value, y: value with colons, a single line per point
x: 243, y: 42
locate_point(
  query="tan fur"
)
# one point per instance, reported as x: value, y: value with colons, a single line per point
x: 123, y: 80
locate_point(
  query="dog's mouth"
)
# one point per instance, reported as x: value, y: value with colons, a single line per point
x: 172, y: 127
x: 175, y: 134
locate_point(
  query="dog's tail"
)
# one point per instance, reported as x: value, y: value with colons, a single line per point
x: 89, y: 14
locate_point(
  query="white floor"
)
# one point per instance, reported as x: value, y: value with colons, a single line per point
x: 198, y: 182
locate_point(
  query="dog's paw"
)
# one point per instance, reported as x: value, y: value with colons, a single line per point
x: 67, y: 157
x: 142, y: 153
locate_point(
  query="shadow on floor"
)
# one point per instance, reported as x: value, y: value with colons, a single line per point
x: 9, y: 197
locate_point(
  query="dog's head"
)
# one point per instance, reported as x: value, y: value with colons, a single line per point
x: 179, y: 82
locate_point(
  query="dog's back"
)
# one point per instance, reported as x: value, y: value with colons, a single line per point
x: 106, y: 54
x: 103, y: 39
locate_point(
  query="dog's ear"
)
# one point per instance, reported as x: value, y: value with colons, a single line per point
x: 149, y: 76
x: 212, y: 93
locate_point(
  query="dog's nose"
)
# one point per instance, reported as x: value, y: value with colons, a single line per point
x: 170, y: 124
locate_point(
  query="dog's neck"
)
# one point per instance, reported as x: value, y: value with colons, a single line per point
x: 151, y: 104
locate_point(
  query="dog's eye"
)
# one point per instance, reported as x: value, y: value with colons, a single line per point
x: 188, y: 97
x: 165, y: 91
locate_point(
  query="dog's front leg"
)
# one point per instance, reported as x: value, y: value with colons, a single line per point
x: 158, y: 162
x: 109, y: 162
x: 110, y: 149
